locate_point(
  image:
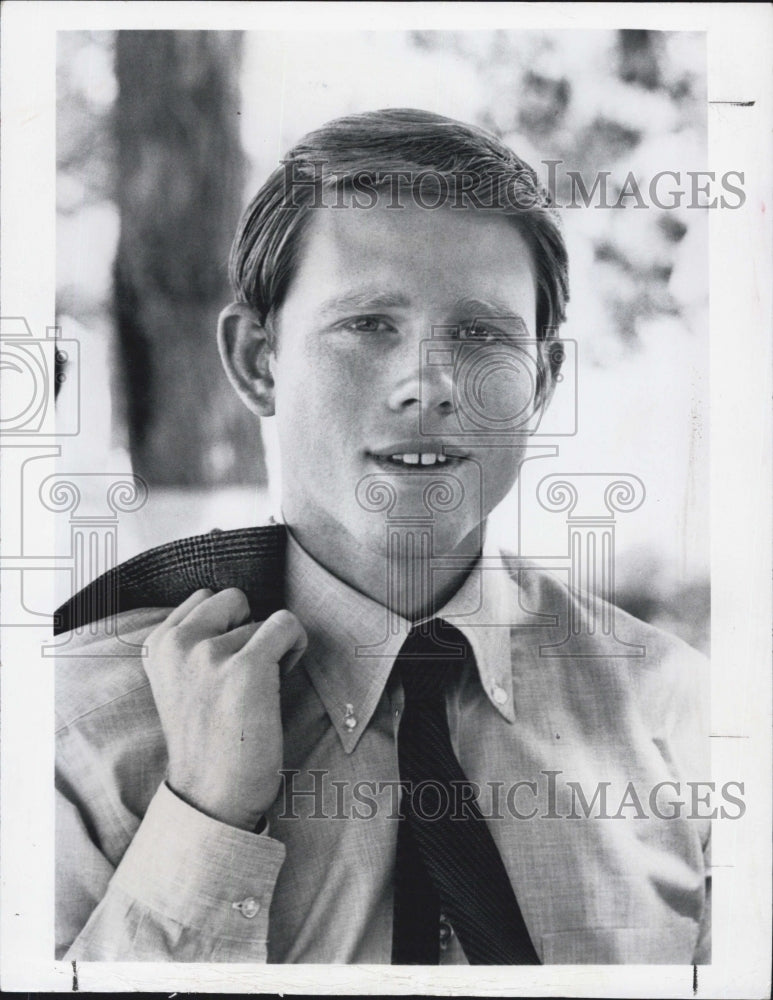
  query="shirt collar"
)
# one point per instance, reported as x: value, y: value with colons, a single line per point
x: 354, y: 640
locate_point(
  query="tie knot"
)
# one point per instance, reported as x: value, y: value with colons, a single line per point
x: 428, y: 657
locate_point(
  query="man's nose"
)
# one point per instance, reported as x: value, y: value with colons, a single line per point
x: 429, y: 389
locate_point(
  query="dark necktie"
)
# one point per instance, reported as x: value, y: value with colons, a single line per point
x: 446, y: 860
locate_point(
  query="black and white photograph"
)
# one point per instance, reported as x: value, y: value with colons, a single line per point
x: 386, y: 498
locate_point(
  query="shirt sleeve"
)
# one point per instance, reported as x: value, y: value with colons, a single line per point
x: 188, y: 888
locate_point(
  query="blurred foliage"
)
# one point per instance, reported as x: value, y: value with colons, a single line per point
x: 85, y: 181
x: 86, y: 89
x: 640, y: 108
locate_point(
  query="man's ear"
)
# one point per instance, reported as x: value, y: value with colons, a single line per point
x: 551, y: 354
x: 246, y: 354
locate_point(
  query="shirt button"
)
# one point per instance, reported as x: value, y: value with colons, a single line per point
x: 499, y: 694
x: 446, y: 932
x: 248, y: 907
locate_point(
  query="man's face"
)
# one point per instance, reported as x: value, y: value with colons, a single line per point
x: 355, y: 396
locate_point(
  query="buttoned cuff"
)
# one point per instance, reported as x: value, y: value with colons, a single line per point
x: 201, y: 873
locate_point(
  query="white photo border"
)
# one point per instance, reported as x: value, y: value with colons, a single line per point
x: 739, y: 40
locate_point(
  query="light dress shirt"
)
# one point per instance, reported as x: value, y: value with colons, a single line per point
x: 549, y: 732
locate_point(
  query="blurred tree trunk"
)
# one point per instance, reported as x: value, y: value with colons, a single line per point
x: 179, y: 189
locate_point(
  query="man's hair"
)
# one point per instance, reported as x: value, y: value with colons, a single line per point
x: 465, y: 165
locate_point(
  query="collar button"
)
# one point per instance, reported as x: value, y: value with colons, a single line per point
x: 446, y: 932
x: 248, y: 907
x: 499, y: 694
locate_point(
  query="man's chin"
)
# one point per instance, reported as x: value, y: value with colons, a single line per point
x: 424, y: 540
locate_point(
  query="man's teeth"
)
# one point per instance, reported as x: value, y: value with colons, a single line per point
x: 425, y: 458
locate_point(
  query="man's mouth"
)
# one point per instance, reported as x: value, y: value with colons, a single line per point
x: 416, y: 459
x: 422, y: 458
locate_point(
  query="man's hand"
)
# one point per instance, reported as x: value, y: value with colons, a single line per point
x: 215, y: 681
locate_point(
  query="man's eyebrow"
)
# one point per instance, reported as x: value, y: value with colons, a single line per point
x: 464, y: 309
x: 365, y: 299
x: 488, y: 308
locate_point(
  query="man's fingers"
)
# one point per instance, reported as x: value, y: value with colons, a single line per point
x: 281, y: 639
x: 220, y: 619
x: 176, y: 616
x: 231, y: 642
x: 217, y: 615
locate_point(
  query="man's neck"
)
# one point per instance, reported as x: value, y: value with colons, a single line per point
x: 409, y: 579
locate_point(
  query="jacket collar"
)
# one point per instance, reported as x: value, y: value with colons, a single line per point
x: 251, y: 559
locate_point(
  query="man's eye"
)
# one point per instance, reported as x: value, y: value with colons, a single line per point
x: 480, y: 333
x: 368, y: 324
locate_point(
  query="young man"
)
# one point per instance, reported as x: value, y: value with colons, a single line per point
x: 351, y: 739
